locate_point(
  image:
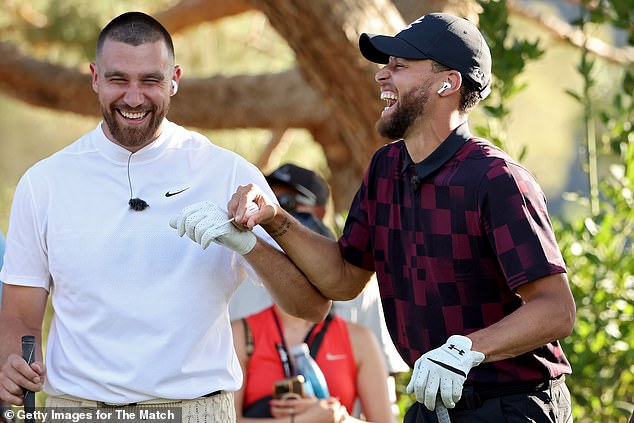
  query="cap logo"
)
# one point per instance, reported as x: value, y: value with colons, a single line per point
x: 478, y: 74
x: 419, y: 20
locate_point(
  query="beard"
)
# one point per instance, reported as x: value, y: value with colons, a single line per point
x: 133, y: 136
x: 410, y: 106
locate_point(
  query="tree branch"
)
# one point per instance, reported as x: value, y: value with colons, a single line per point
x: 216, y: 102
x: 563, y: 31
x: 248, y: 101
x: 276, y: 147
x: 45, y: 84
x: 187, y: 13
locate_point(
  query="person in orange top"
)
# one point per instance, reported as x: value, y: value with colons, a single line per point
x: 348, y: 355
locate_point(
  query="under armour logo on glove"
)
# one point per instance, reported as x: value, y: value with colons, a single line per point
x: 443, y: 370
x: 453, y: 347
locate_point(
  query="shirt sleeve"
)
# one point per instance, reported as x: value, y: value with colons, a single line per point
x: 515, y: 218
x: 26, y: 255
x: 355, y: 243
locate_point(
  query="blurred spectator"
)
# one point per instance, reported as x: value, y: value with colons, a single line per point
x: 348, y: 355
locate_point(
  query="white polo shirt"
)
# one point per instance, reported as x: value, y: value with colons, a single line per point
x: 139, y: 312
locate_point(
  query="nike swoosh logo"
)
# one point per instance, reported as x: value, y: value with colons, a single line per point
x: 169, y: 194
x: 333, y: 357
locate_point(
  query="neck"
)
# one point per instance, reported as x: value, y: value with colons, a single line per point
x: 295, y: 329
x: 422, y: 140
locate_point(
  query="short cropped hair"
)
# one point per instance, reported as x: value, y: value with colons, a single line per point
x: 135, y: 28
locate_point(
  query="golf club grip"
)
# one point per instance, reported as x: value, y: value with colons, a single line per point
x: 28, y: 353
x: 441, y: 411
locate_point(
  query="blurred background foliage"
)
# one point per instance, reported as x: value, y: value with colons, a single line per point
x: 566, y: 114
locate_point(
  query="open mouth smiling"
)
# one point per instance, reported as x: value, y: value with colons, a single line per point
x: 390, y: 99
x: 133, y: 115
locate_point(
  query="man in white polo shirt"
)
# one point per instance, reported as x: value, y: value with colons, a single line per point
x: 140, y: 315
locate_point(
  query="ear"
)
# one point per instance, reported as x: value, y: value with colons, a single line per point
x: 455, y: 79
x: 175, y: 79
x: 95, y: 77
x: 451, y: 84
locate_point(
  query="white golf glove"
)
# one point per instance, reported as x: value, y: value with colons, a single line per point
x: 444, y: 369
x: 205, y: 222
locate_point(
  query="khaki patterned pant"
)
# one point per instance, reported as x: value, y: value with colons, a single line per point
x: 215, y: 409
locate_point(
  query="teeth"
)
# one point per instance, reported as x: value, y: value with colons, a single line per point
x: 130, y: 115
x: 390, y: 98
x: 385, y: 95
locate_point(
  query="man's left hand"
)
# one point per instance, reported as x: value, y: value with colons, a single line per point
x: 205, y: 222
x: 444, y: 369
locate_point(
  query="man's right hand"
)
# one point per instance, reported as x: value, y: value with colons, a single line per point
x: 16, y: 376
x: 240, y: 206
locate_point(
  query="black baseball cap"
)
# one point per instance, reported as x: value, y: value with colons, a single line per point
x: 309, y: 184
x: 449, y: 40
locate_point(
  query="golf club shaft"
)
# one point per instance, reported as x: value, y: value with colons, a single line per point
x: 441, y: 411
x: 28, y: 353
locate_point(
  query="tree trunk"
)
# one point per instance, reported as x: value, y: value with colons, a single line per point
x: 324, y: 35
x: 413, y: 9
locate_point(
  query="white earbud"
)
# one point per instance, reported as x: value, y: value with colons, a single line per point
x: 445, y: 86
x: 174, y: 87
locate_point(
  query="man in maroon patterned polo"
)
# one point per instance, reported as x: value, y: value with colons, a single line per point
x: 472, y: 281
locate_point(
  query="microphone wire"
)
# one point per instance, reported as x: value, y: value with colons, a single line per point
x: 135, y: 204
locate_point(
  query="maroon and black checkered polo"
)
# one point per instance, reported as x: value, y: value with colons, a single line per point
x: 450, y: 239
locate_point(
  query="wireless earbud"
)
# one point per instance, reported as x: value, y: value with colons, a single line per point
x: 174, y: 87
x: 445, y: 86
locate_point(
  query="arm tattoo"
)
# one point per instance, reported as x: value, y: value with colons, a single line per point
x: 280, y: 230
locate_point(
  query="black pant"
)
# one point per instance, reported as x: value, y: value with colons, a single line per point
x: 551, y: 404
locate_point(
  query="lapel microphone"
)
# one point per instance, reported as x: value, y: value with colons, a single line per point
x: 136, y: 204
x: 416, y: 182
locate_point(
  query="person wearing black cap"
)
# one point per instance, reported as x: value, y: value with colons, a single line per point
x: 303, y: 193
x: 473, y: 284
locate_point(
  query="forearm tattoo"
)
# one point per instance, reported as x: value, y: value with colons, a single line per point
x: 281, y: 229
